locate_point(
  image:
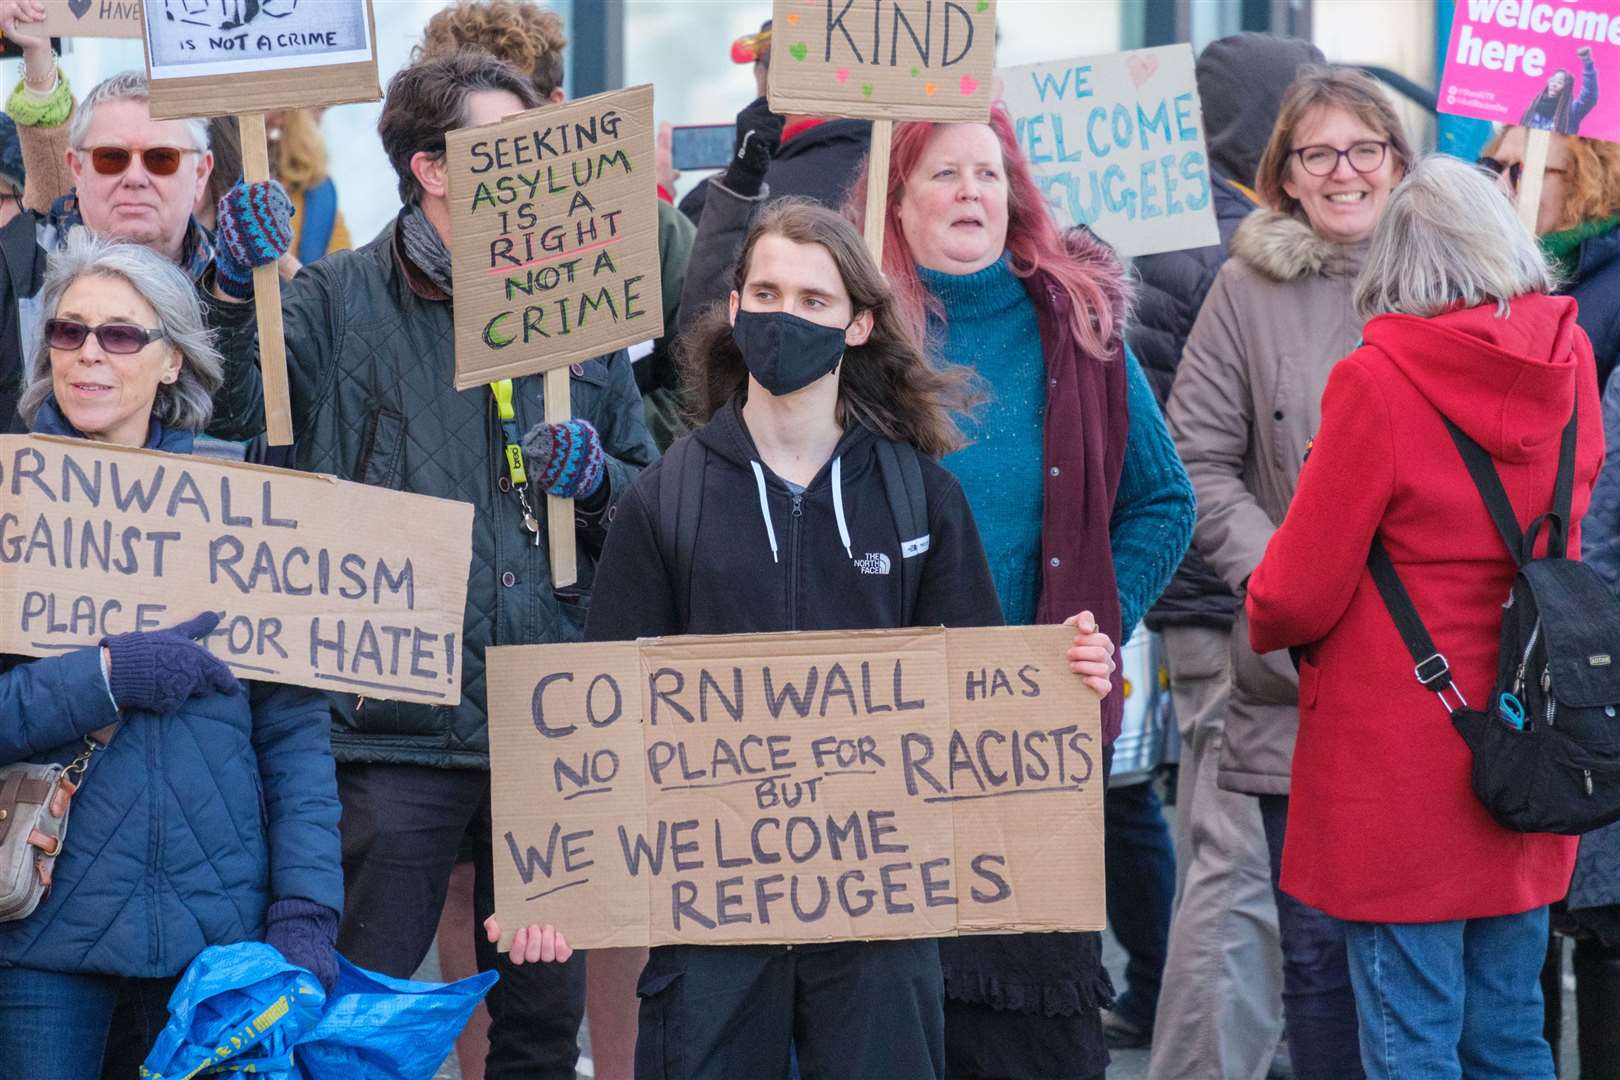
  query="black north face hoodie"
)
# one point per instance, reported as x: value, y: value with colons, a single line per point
x: 767, y: 559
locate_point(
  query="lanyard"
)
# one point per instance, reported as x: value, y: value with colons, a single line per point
x: 502, y: 389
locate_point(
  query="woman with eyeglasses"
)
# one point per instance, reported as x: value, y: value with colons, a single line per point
x: 209, y: 813
x: 1243, y: 408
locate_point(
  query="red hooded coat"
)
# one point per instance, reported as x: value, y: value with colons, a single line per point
x: 1383, y: 826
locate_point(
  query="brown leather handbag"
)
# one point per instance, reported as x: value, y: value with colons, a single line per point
x: 34, y: 804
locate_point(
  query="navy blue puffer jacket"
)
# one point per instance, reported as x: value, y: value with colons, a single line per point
x: 188, y: 825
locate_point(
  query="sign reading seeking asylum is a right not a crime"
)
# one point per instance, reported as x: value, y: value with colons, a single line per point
x: 554, y: 226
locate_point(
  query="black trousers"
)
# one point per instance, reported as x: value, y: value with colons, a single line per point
x: 402, y: 827
x: 850, y: 1010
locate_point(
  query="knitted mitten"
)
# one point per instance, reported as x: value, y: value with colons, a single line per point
x: 159, y: 670
x: 254, y: 229
x: 567, y: 458
x: 306, y: 934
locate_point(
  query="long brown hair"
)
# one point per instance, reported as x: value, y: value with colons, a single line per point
x: 1326, y: 86
x: 887, y: 384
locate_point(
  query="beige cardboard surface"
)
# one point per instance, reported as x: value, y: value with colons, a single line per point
x: 231, y: 57
x: 1116, y: 142
x: 883, y: 59
x: 93, y: 18
x: 554, y: 226
x: 323, y: 583
x: 796, y: 787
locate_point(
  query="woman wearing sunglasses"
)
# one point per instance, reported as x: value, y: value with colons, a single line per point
x: 1243, y: 408
x: 210, y: 817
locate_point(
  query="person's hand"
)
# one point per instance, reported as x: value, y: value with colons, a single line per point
x: 288, y: 266
x: 759, y: 134
x: 1092, y: 655
x: 567, y: 458
x: 306, y: 934
x: 16, y: 17
x: 159, y: 670
x: 664, y: 158
x: 253, y: 229
x: 1584, y: 52
x: 533, y: 943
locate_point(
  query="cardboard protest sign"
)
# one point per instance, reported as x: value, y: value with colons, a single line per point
x: 883, y: 59
x: 92, y: 18
x: 796, y: 787
x: 231, y: 57
x: 1116, y: 142
x: 554, y: 226
x: 319, y: 584
x: 1535, y: 63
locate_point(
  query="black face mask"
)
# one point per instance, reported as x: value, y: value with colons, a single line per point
x: 785, y: 353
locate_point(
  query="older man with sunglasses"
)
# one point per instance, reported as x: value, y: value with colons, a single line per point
x: 118, y: 173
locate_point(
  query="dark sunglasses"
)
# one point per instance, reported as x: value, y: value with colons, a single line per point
x: 1515, y: 171
x: 158, y: 160
x: 1322, y: 160
x: 113, y: 337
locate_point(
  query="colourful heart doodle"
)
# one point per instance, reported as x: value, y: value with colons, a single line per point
x: 984, y: 6
x: 969, y: 85
x: 1141, y: 68
x: 842, y: 75
x: 866, y: 89
x: 798, y: 50
x: 793, y: 20
x: 929, y: 88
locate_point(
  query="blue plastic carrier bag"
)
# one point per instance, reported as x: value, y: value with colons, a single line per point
x: 238, y: 1008
x: 382, y: 1028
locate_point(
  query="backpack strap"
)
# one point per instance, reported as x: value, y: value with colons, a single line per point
x: 1521, y: 545
x: 680, y: 504
x: 1489, y: 482
x: 1431, y: 667
x: 908, y: 504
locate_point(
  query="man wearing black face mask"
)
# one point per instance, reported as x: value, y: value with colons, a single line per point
x: 810, y: 500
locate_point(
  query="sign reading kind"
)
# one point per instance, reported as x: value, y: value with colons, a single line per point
x: 884, y: 59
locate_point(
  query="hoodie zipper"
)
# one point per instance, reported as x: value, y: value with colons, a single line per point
x: 154, y: 848
x: 793, y: 561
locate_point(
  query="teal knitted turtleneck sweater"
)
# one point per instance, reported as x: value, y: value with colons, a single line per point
x: 991, y: 327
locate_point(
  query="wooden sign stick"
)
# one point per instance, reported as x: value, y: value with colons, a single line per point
x: 560, y: 512
x: 1535, y: 171
x: 267, y: 299
x: 877, y: 187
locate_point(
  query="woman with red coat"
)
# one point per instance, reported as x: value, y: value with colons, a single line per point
x: 1447, y: 910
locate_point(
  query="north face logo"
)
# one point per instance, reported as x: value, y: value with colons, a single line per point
x: 875, y: 563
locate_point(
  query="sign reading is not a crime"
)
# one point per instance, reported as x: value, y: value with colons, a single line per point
x: 554, y: 227
x: 883, y: 59
x: 796, y: 787
x: 318, y: 583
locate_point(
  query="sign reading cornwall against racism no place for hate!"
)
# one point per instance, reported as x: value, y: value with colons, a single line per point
x: 1536, y: 63
x: 1116, y: 142
x: 554, y: 220
x: 317, y: 584
x: 796, y: 787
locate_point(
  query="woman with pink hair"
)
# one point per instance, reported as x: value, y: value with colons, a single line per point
x: 1082, y: 504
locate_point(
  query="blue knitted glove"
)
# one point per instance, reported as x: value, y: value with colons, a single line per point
x: 568, y: 461
x: 306, y: 934
x: 254, y: 228
x: 158, y: 670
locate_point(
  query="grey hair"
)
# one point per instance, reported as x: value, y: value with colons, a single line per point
x: 1449, y: 236
x: 125, y: 86
x: 188, y: 402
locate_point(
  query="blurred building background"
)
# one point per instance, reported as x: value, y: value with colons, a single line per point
x: 682, y: 46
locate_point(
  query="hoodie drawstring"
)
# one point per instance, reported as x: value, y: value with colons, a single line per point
x: 765, y: 510
x: 838, y: 504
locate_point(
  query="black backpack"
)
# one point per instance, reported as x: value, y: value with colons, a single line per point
x: 680, y: 505
x: 1546, y: 746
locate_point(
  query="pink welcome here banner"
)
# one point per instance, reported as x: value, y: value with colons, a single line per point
x: 1537, y: 63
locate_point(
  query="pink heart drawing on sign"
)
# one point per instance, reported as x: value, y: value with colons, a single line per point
x: 1141, y: 68
x: 842, y: 75
x: 969, y: 85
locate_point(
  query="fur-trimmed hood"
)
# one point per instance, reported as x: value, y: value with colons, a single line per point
x: 1286, y: 248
